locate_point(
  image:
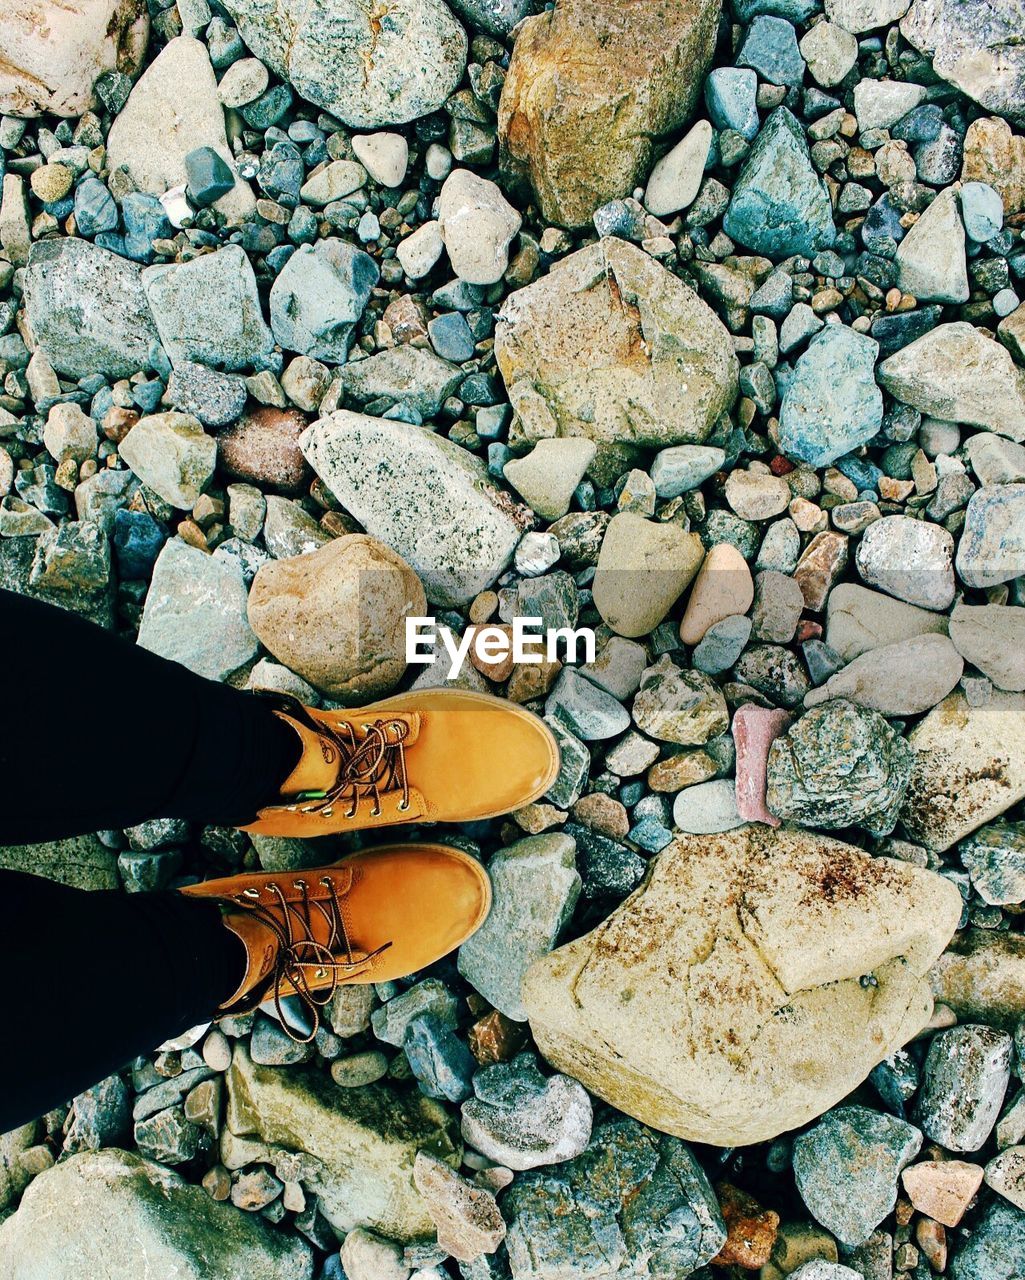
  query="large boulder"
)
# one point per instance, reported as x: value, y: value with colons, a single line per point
x: 360, y: 1143
x: 725, y: 1001
x: 591, y: 86
x: 337, y: 616
x: 367, y: 64
x: 420, y: 494
x: 54, y: 53
x: 80, y: 861
x: 86, y: 309
x: 173, y: 109
x: 612, y: 346
x: 112, y: 1214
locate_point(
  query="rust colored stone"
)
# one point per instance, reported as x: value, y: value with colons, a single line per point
x: 263, y: 448
x: 496, y: 1038
x: 750, y: 1230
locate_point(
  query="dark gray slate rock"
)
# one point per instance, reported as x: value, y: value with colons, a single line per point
x: 847, y: 1168
x: 635, y: 1205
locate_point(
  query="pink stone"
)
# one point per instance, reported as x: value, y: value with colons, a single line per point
x: 754, y: 731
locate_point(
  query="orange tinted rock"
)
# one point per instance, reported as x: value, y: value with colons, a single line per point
x: 263, y: 448
x: 496, y: 1038
x: 750, y: 1230
x: 942, y: 1189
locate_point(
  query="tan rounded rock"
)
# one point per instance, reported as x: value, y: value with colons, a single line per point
x: 642, y: 569
x: 723, y: 587
x: 336, y: 616
x: 724, y: 1001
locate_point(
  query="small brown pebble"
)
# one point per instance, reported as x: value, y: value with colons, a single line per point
x: 685, y: 769
x: 483, y: 607
x: 532, y: 680
x: 932, y: 1240
x: 750, y: 1230
x: 255, y: 1190
x: 496, y: 1038
x: 807, y: 630
x: 904, y: 1212
x: 604, y: 814
x: 535, y: 818
x: 489, y: 659
x: 781, y: 466
x: 117, y: 423
x: 217, y: 1182
x: 191, y: 533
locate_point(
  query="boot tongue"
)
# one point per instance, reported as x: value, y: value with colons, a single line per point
x: 318, y: 765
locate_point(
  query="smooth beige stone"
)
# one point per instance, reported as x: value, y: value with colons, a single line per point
x: 723, y: 587
x: 902, y: 679
x: 723, y: 1001
x: 969, y: 768
x: 547, y: 477
x: 942, y: 1189
x: 992, y: 638
x: 337, y: 615
x: 643, y: 568
x: 858, y: 620
x: 981, y: 976
x: 53, y: 53
x: 159, y: 125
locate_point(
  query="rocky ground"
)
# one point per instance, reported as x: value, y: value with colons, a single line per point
x: 703, y: 329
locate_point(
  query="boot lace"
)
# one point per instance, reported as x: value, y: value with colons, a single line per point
x: 301, y: 959
x: 371, y: 766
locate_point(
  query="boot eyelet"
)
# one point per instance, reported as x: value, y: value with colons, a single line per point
x: 251, y: 893
x: 403, y: 806
x: 326, y: 813
x: 375, y: 813
x: 320, y: 973
x: 299, y: 884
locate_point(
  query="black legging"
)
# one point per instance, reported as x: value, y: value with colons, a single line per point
x: 93, y: 980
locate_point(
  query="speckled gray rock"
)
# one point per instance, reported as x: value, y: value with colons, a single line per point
x: 995, y: 859
x: 208, y: 310
x: 340, y: 55
x: 87, y: 310
x: 902, y: 679
x: 522, y: 1119
x: 847, y: 1169
x: 425, y: 497
x: 956, y: 374
x: 318, y: 297
x: 142, y: 1220
x: 195, y: 612
x: 996, y: 1249
x: 964, y: 1081
x: 636, y: 1205
x: 974, y: 44
x: 839, y: 765
x: 992, y: 546
x: 969, y: 767
x: 671, y: 1009
x: 535, y: 887
x: 411, y: 376
x: 909, y: 559
x: 681, y: 706
x: 612, y: 346
x: 80, y: 861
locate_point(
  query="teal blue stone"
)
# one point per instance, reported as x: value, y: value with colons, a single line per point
x: 832, y: 404
x: 95, y: 210
x: 770, y: 48
x: 996, y: 1248
x: 792, y: 10
x: 731, y: 95
x: 209, y: 176
x: 440, y: 1061
x: 780, y: 205
x: 982, y: 210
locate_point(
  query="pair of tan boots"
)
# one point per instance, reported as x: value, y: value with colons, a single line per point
x: 431, y: 756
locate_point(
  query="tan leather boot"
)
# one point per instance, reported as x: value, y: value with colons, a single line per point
x: 372, y: 917
x: 431, y: 755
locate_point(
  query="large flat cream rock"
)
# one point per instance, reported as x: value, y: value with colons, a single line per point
x: 723, y: 1002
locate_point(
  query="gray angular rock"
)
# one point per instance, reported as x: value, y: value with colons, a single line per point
x: 87, y: 310
x: 142, y: 1220
x: 995, y: 859
x: 612, y: 346
x: 524, y: 1120
x: 975, y: 45
x: 635, y: 1206
x: 425, y: 497
x: 318, y: 297
x: 208, y: 310
x: 839, y: 765
x: 535, y: 886
x: 996, y: 1249
x: 909, y: 559
x: 340, y: 55
x: 964, y: 1081
x: 832, y: 405
x: 848, y: 1166
x: 956, y: 374
x: 195, y: 612
x: 406, y: 375
x: 992, y: 545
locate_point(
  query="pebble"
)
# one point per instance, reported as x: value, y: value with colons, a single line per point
x: 902, y: 679
x: 707, y: 807
x: 548, y: 476
x: 477, y: 225
x: 724, y: 587
x: 172, y: 455
x: 982, y: 211
x: 931, y: 264
x: 993, y: 541
x: 676, y: 178
x: 642, y: 569
x: 318, y: 298
x: 756, y: 496
x: 909, y: 559
x: 992, y: 638
x: 683, y: 467
x: 942, y: 1189
x: 831, y: 405
x: 830, y: 52
x: 754, y: 730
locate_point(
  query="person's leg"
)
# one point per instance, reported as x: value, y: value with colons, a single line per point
x: 97, y: 733
x: 96, y: 979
